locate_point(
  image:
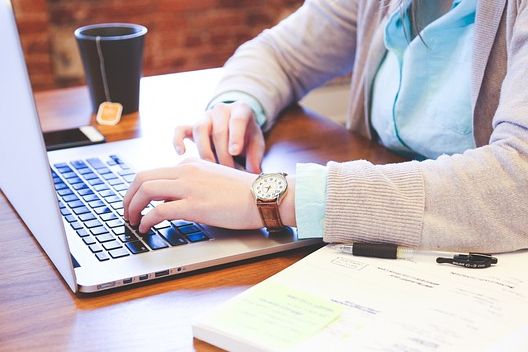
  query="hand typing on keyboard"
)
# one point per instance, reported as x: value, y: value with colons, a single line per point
x: 199, y: 191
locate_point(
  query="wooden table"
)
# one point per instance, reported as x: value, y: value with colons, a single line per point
x: 39, y: 312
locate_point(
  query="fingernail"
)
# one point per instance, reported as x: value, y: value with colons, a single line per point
x: 179, y: 150
x: 233, y: 148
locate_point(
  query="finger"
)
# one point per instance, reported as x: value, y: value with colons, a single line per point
x: 164, y: 211
x: 202, y: 137
x: 166, y: 173
x: 220, y: 120
x: 241, y: 114
x: 255, y: 152
x: 166, y: 190
x: 180, y: 133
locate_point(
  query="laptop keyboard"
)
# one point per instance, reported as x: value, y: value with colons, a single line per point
x: 91, y: 195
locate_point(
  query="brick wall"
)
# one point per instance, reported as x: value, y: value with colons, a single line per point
x: 183, y: 34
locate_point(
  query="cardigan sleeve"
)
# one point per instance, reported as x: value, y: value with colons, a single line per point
x: 474, y: 201
x: 311, y: 46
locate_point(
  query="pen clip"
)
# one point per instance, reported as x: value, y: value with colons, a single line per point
x: 471, y: 260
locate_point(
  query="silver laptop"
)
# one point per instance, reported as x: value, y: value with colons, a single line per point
x: 71, y: 199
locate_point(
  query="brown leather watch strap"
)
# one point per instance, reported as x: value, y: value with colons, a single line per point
x: 269, y: 212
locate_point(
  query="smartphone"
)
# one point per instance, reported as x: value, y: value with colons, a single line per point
x: 74, y: 137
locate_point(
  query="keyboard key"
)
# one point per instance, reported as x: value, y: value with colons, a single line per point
x: 56, y: 179
x: 115, y: 182
x: 75, y: 204
x: 154, y: 241
x: 70, y: 218
x: 105, y: 238
x: 64, y: 192
x: 96, y: 203
x: 129, y: 178
x: 120, y: 230
x: 103, y: 170
x: 70, y: 198
x: 85, y: 191
x: 123, y: 192
x: 86, y: 217
x: 90, y: 176
x: 81, y: 210
x: 102, y: 256
x: 79, y: 164
x: 79, y: 186
x: 118, y: 253
x: 121, y: 187
x: 117, y: 205
x: 197, y: 237
x: 136, y: 247
x: 113, y: 199
x: 101, y: 187
x: 171, y: 235
x: 85, y: 171
x: 69, y: 175
x: 126, y: 172
x: 179, y: 223
x: 95, y: 181
x: 73, y: 180
x: 107, y: 193
x: 89, y: 240
x: 95, y: 163
x: 108, y: 217
x: 59, y: 165
x: 102, y: 210
x: 65, y: 211
x: 59, y: 186
x: 83, y: 233
x: 128, y: 237
x: 109, y: 176
x: 64, y: 169
x: 92, y: 223
x: 111, y: 245
x: 121, y: 212
x: 95, y: 248
x: 76, y: 225
x: 91, y: 198
x: 98, y: 230
x: 188, y: 229
x: 115, y: 223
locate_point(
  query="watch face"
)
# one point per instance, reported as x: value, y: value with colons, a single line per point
x: 270, y: 186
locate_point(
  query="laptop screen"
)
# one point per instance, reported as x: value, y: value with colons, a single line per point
x: 25, y: 176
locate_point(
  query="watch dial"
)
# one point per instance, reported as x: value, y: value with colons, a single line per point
x: 270, y: 186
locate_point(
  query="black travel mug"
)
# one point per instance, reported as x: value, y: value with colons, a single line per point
x: 112, y: 56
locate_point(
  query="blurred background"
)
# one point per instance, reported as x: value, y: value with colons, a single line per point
x: 183, y: 35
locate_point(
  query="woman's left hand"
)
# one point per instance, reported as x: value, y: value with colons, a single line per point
x: 195, y: 190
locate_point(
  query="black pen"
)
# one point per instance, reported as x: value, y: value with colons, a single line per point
x: 375, y: 250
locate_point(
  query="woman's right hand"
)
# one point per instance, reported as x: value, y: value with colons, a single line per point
x: 226, y: 131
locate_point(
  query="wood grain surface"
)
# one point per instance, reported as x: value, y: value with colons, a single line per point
x: 39, y: 312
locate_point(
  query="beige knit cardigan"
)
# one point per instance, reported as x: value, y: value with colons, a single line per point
x: 477, y: 200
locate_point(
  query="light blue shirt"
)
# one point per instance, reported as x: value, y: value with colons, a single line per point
x: 421, y: 103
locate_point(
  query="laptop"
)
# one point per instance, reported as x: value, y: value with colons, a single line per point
x: 71, y: 199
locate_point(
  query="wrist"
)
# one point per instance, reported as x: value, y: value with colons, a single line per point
x: 287, y: 205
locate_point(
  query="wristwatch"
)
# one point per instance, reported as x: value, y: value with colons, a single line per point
x: 269, y: 190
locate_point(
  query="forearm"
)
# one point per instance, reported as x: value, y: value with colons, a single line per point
x: 474, y: 201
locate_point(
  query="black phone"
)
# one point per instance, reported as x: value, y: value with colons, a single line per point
x: 73, y: 137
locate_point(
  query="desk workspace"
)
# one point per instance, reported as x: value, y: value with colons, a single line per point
x: 40, y: 312
x: 128, y: 216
